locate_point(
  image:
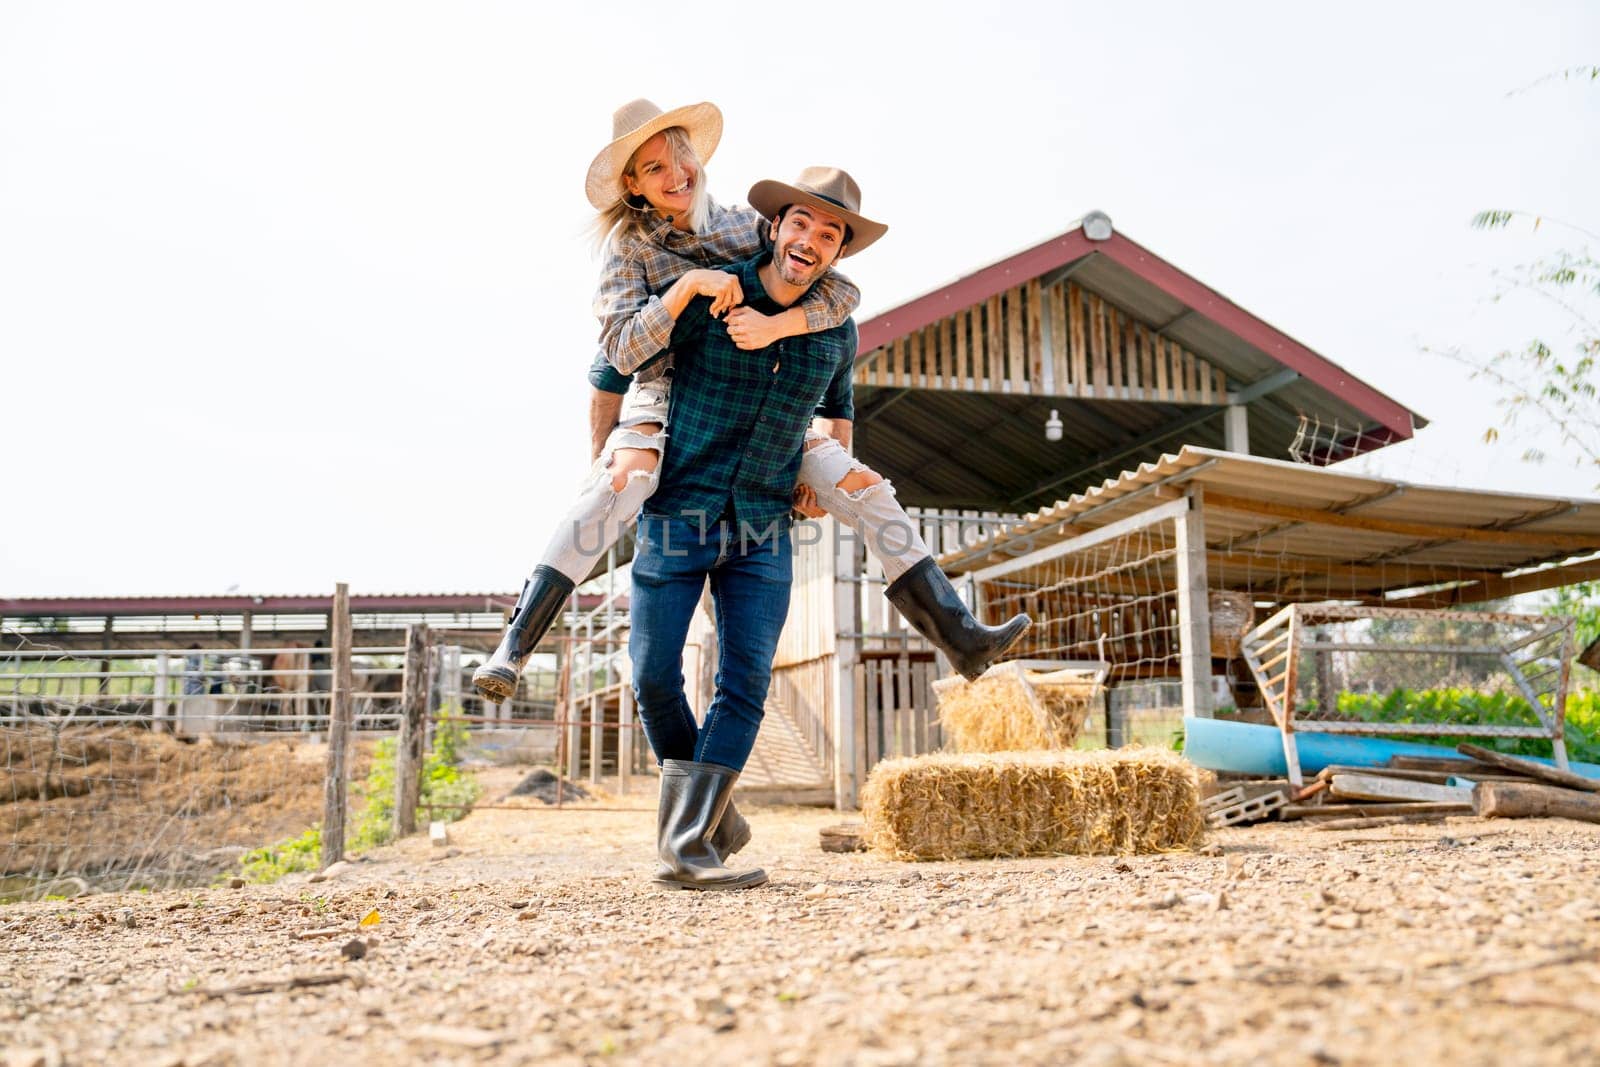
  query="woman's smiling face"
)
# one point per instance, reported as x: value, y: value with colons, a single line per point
x: 661, y: 177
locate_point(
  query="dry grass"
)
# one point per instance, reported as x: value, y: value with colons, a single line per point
x: 96, y: 799
x: 1011, y: 709
x: 947, y: 807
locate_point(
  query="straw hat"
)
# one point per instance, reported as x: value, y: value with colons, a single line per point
x: 826, y: 189
x: 632, y: 125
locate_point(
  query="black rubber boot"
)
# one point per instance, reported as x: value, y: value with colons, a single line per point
x: 732, y: 832
x: 694, y: 797
x: 537, y: 608
x: 929, y: 602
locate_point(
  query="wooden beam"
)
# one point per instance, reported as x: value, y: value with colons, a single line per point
x: 1549, y: 775
x: 1497, y: 587
x: 1432, y: 531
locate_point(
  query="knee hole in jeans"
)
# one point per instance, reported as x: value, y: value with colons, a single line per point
x: 857, y: 482
x: 629, y: 463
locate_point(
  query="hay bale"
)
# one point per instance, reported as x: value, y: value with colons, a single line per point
x: 945, y: 807
x: 1011, y: 709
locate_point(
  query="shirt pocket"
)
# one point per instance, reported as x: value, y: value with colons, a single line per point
x: 813, y: 363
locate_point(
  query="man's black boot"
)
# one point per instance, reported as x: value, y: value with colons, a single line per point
x: 537, y: 608
x: 929, y: 603
x: 694, y: 797
x: 732, y: 832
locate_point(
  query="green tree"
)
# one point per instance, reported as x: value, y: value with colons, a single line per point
x: 1553, y: 379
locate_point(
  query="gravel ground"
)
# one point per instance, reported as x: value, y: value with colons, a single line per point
x: 536, y: 938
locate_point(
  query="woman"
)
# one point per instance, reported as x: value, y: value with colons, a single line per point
x: 663, y: 237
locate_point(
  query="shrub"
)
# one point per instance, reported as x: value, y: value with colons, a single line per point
x: 1403, y: 706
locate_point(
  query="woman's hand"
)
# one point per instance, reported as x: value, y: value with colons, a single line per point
x: 751, y: 330
x: 805, y: 501
x: 723, y: 289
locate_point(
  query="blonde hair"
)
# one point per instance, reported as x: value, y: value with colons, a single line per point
x: 631, y: 216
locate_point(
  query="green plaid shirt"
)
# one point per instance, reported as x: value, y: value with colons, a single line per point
x: 738, y: 419
x: 635, y: 325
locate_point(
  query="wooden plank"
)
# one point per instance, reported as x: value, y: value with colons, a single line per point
x: 1097, y: 344
x: 999, y: 367
x: 963, y: 355
x: 1163, y: 382
x: 1115, y: 348
x: 1060, y: 342
x: 1144, y: 359
x: 1035, y: 336
x: 334, y: 785
x: 1377, y: 787
x: 949, y: 376
x: 1080, y: 357
x: 1016, y: 358
x: 1552, y: 775
x: 1370, y: 810
x: 1521, y: 800
x: 904, y: 706
x: 1425, y: 530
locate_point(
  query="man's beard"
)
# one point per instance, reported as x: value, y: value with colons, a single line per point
x: 791, y: 272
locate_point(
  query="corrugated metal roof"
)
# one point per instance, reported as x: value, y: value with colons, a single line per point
x: 1388, y: 534
x: 258, y: 604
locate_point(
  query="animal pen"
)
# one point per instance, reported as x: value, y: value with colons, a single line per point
x: 1302, y: 596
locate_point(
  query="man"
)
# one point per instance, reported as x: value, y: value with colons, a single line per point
x: 721, y: 512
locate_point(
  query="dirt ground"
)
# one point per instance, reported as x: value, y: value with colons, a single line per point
x: 535, y: 937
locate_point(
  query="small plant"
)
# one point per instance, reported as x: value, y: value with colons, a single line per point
x: 271, y: 862
x: 444, y: 785
x: 1451, y: 705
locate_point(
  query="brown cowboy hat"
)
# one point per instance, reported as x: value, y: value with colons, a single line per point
x: 826, y: 189
x: 632, y: 125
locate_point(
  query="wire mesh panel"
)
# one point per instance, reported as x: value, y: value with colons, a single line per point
x: 1352, y: 669
x: 126, y: 768
x: 1115, y: 600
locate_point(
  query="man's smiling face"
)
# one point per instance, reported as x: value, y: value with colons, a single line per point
x: 805, y: 242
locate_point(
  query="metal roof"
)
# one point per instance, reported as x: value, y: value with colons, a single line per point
x: 1365, y: 534
x: 987, y: 450
x: 261, y: 605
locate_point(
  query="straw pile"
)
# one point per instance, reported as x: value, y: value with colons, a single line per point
x: 1011, y: 708
x: 947, y: 807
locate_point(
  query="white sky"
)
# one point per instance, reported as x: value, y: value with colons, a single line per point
x: 293, y: 294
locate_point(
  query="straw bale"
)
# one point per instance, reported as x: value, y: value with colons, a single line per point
x: 948, y: 806
x: 1011, y: 709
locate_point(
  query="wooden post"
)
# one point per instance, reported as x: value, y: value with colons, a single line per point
x: 846, y: 705
x: 624, y: 736
x: 1327, y: 702
x: 1236, y: 429
x: 413, y: 727
x: 334, y: 786
x: 1194, y: 608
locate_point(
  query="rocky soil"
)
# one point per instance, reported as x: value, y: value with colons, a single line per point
x: 535, y: 937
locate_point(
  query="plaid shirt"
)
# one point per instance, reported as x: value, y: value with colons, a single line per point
x: 635, y: 325
x: 739, y: 418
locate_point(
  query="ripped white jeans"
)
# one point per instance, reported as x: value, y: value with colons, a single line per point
x: 596, y: 520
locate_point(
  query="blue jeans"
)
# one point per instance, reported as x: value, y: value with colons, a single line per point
x: 750, y: 578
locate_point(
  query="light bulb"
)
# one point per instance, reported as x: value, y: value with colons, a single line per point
x: 1052, y: 426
